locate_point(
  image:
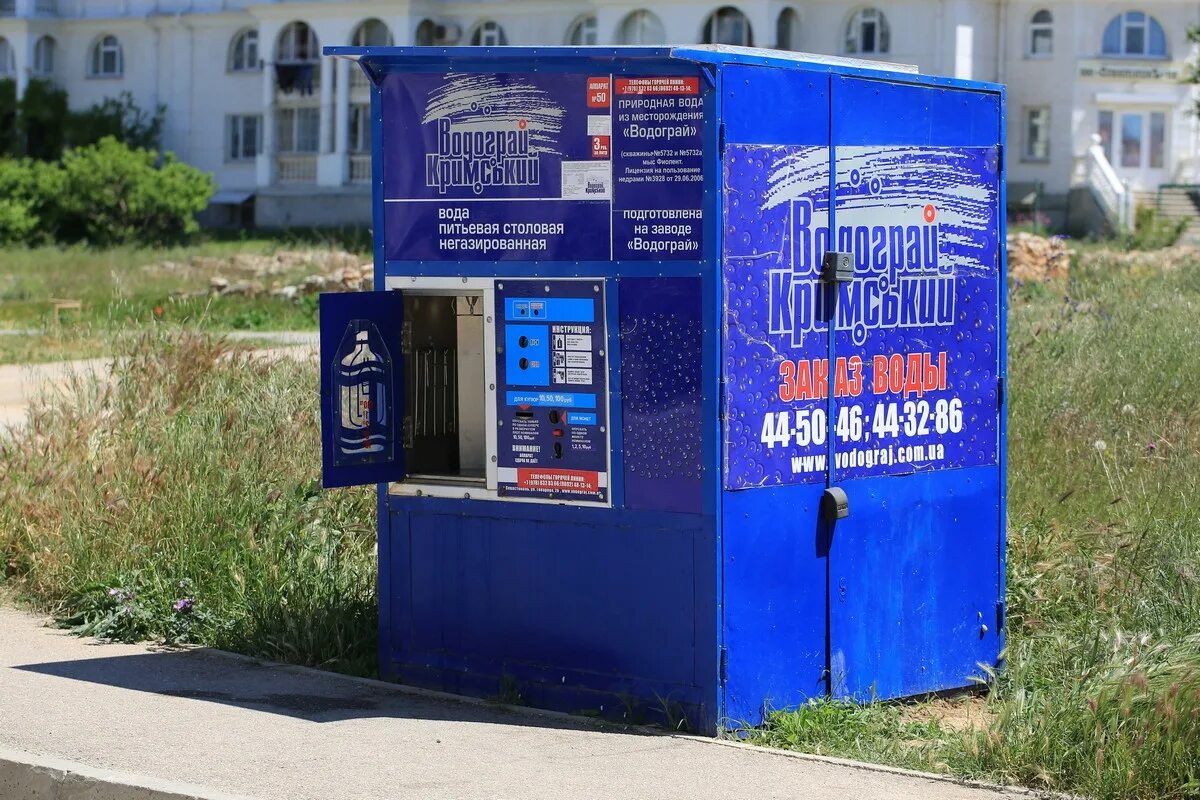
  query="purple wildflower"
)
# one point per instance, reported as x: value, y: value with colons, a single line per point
x: 1151, y: 447
x: 114, y: 592
x: 184, y: 605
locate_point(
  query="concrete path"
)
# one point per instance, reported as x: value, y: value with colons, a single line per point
x: 200, y: 723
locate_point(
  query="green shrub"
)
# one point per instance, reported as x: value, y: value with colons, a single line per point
x: 42, y: 120
x: 19, y: 220
x: 1152, y: 231
x: 104, y: 194
x: 119, y: 118
x: 115, y: 195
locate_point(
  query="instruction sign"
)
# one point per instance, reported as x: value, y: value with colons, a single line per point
x: 543, y: 167
x: 552, y: 397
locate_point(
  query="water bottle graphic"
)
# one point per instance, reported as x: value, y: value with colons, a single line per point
x: 362, y: 381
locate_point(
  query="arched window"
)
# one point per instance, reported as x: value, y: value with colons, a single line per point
x: 1134, y: 33
x: 243, y: 51
x: 107, y: 60
x: 727, y: 25
x: 489, y: 34
x: 43, y: 56
x: 426, y: 34
x: 297, y: 44
x: 641, y: 27
x: 8, y: 61
x: 1041, y: 33
x: 582, y: 31
x: 787, y: 30
x: 868, y: 32
x: 372, y: 33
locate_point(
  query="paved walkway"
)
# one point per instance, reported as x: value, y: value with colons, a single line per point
x: 200, y: 723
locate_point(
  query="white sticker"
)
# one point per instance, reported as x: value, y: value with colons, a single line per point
x: 586, y: 180
x: 599, y: 125
x: 578, y: 342
x: 583, y: 376
x: 581, y: 358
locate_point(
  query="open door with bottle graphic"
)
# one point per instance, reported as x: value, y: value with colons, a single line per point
x: 360, y: 406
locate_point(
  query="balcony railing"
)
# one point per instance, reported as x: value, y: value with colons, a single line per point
x: 46, y: 7
x: 296, y: 168
x: 360, y: 168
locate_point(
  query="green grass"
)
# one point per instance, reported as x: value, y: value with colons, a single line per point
x: 121, y: 287
x: 193, y: 475
x: 1101, y: 691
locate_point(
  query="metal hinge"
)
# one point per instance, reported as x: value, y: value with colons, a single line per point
x: 1000, y: 388
x: 724, y: 664
x: 721, y: 138
x: 1000, y: 614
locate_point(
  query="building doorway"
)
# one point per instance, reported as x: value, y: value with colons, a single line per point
x: 1135, y: 141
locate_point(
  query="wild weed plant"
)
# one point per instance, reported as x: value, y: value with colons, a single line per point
x: 177, y: 498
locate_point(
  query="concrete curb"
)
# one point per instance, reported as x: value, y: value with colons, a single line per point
x: 35, y: 777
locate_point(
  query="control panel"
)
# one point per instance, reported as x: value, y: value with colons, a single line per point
x: 552, y: 392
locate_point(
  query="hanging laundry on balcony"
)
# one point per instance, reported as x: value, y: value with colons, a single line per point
x: 295, y: 77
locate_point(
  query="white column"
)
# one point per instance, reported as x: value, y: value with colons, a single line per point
x: 333, y: 167
x: 22, y: 51
x: 341, y: 120
x: 264, y: 164
x: 326, y: 129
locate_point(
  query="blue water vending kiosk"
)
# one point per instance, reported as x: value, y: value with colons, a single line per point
x: 682, y: 381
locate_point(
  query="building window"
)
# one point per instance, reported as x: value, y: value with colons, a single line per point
x: 1136, y: 34
x: 8, y: 61
x: 243, y: 52
x: 244, y: 137
x: 1041, y: 33
x: 426, y: 34
x: 43, y: 56
x: 108, y: 60
x: 298, y: 130
x: 787, y: 30
x: 727, y: 25
x: 641, y: 27
x: 372, y: 33
x: 360, y: 128
x: 1037, y: 134
x: 868, y: 33
x: 297, y: 45
x: 489, y: 34
x: 582, y: 31
x: 1140, y: 140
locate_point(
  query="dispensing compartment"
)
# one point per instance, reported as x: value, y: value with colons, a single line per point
x: 445, y: 388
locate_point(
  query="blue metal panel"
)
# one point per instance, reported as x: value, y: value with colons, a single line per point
x: 662, y: 342
x: 773, y: 546
x: 554, y: 598
x: 913, y: 581
x: 774, y: 600
x: 914, y: 570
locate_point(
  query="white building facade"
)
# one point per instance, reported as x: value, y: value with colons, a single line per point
x: 250, y: 99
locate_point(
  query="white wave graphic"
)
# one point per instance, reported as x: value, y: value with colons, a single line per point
x: 486, y: 102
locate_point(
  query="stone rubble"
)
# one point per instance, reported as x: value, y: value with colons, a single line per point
x: 250, y: 274
x: 1040, y: 259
